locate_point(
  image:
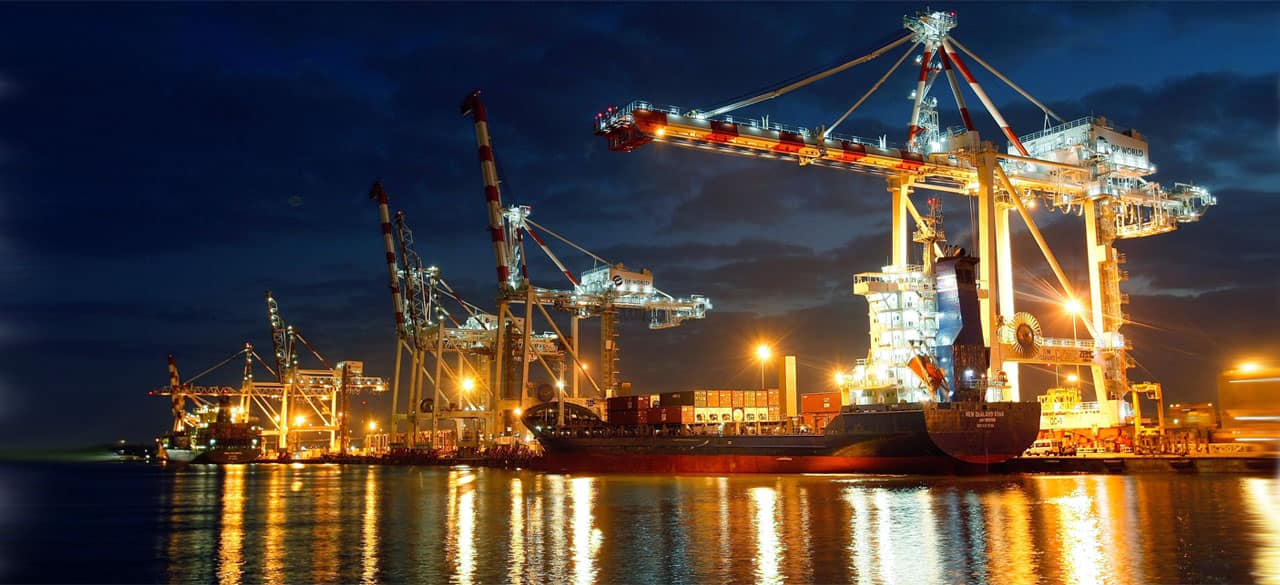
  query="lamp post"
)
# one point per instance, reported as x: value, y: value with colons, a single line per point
x: 762, y: 353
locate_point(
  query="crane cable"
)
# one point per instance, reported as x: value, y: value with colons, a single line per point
x: 872, y: 90
x: 220, y: 364
x: 562, y: 239
x: 807, y: 80
x: 1006, y: 80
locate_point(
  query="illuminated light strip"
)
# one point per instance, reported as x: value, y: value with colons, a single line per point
x: 1254, y: 381
x: 982, y: 95
x: 1271, y: 418
x: 1256, y: 440
x: 913, y: 128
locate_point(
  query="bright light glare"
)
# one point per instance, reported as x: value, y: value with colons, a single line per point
x: 1073, y: 378
x: 299, y: 420
x: 1073, y: 306
x: 763, y: 352
x: 839, y: 378
x: 468, y: 384
x: 517, y: 411
x: 560, y: 384
x: 1250, y: 367
x: 373, y: 426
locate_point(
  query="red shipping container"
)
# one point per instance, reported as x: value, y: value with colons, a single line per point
x: 820, y: 402
x: 713, y: 399
x: 762, y: 398
x: 620, y: 403
x: 738, y: 399
x: 775, y: 413
x: 775, y: 398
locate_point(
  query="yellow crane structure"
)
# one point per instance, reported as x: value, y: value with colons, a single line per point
x: 1087, y: 167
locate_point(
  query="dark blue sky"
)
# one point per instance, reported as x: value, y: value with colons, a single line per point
x: 162, y: 165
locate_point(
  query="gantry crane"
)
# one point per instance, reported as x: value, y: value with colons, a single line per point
x: 1085, y: 165
x: 304, y: 392
x: 602, y: 291
x: 428, y: 332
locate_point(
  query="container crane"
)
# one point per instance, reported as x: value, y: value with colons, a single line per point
x: 272, y: 400
x: 1087, y: 166
x: 428, y: 333
x: 310, y: 391
x: 602, y: 291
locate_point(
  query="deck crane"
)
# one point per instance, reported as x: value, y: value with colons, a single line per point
x: 428, y: 333
x: 1087, y: 166
x: 602, y: 291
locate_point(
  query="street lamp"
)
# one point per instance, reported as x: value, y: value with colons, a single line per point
x: 762, y: 353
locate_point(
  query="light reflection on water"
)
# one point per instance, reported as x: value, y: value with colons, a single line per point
x: 400, y: 524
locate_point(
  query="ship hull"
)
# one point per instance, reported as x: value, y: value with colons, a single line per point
x: 721, y: 464
x: 942, y: 439
x: 211, y: 456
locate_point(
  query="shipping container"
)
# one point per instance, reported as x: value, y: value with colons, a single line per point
x: 749, y: 399
x: 713, y: 399
x: 726, y: 398
x: 671, y: 415
x: 762, y: 398
x: 627, y: 403
x: 775, y: 413
x: 820, y: 402
x: 775, y: 398
x: 685, y: 398
x: 738, y: 399
x: 700, y: 399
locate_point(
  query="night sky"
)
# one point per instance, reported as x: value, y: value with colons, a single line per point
x: 163, y: 165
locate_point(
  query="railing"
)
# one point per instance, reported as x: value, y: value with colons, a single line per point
x: 1056, y: 129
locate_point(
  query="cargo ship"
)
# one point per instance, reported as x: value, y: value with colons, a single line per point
x: 915, y: 405
x: 214, y: 438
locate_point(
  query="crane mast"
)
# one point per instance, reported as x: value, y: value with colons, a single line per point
x: 600, y: 292
x: 1084, y: 166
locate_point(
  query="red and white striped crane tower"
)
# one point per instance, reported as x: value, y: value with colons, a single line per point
x: 602, y: 291
x: 1084, y: 165
x: 429, y: 333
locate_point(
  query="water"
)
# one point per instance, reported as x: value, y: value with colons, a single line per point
x: 369, y: 524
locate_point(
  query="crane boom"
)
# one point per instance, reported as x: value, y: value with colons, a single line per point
x: 472, y: 106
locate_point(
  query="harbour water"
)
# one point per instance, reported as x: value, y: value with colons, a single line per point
x: 287, y: 524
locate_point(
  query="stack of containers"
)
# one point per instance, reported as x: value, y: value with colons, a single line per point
x: 816, y: 410
x: 627, y: 410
